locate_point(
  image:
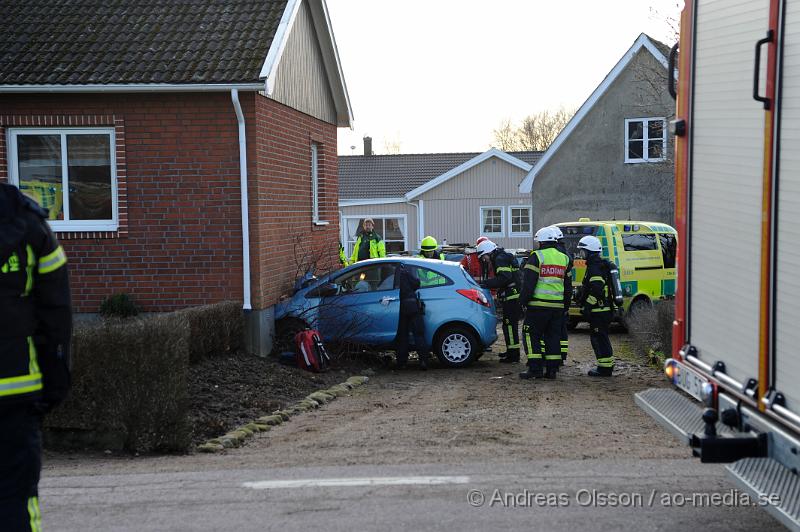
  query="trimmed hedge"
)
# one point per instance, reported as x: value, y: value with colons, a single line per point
x: 129, y: 379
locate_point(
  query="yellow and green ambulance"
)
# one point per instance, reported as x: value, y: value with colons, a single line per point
x: 644, y: 252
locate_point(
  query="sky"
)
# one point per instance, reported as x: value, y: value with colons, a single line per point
x: 440, y: 75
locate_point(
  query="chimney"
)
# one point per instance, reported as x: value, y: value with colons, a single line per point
x: 367, y: 145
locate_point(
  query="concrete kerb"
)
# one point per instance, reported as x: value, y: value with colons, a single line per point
x: 237, y: 437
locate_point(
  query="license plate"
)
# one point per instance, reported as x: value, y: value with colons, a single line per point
x: 689, y: 381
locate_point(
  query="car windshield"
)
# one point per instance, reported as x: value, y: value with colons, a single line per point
x: 573, y: 235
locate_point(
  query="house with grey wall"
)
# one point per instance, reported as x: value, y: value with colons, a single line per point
x: 614, y: 159
x: 451, y: 196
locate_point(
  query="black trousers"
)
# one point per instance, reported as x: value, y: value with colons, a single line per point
x: 564, y: 336
x: 20, y: 467
x: 603, y: 351
x: 414, y: 323
x: 512, y: 313
x: 543, y: 327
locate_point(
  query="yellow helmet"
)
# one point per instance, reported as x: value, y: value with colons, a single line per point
x: 429, y: 243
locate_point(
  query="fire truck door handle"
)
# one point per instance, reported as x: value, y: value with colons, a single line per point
x: 673, y: 54
x: 757, y: 71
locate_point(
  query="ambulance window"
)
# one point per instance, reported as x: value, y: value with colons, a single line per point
x: 639, y: 242
x: 668, y: 249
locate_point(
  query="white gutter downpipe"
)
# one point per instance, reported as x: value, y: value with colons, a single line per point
x: 419, y: 214
x: 245, y: 212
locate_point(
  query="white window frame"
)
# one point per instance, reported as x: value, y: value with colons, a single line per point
x: 70, y: 225
x: 646, y: 140
x: 502, y: 209
x: 511, y: 232
x: 315, y: 185
x: 347, y: 243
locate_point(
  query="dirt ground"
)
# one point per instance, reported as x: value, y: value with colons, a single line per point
x: 484, y: 412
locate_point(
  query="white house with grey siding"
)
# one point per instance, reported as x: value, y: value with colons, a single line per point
x: 454, y: 197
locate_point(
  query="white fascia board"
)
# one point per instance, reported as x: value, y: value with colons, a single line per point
x: 526, y: 186
x: 370, y: 201
x: 492, y: 152
x: 133, y: 87
x: 270, y: 67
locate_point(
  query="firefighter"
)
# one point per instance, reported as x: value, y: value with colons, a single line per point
x: 546, y: 292
x: 428, y: 249
x: 411, y: 317
x: 369, y: 244
x: 597, y: 305
x: 506, y: 282
x: 35, y: 329
x: 564, y: 333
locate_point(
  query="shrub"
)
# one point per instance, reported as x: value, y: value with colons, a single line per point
x: 214, y: 329
x: 118, y: 306
x: 651, y: 330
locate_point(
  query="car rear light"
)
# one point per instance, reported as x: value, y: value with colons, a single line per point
x: 475, y: 295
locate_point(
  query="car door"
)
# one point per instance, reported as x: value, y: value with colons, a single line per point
x: 366, y: 307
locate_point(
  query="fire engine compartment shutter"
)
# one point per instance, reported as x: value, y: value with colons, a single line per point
x: 787, y: 281
x: 727, y: 128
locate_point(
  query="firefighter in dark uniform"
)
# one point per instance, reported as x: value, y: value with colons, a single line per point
x: 545, y: 295
x: 411, y: 318
x: 597, y: 305
x: 35, y: 328
x: 506, y: 281
x: 564, y: 332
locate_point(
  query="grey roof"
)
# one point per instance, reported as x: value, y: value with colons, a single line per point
x: 392, y: 176
x: 78, y: 42
x: 663, y: 48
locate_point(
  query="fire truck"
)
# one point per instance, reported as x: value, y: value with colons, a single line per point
x: 736, y: 372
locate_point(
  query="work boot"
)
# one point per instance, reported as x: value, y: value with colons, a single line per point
x: 601, y: 372
x: 531, y: 373
x: 551, y: 373
x: 511, y: 359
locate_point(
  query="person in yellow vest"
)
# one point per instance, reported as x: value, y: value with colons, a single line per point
x: 35, y: 330
x: 546, y: 293
x: 369, y: 244
x: 597, y: 304
x: 342, y: 256
x: 428, y: 249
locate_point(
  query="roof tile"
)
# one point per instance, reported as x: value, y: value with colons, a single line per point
x: 66, y: 42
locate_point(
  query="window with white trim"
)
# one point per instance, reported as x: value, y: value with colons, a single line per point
x: 492, y: 221
x: 70, y: 172
x: 645, y: 140
x: 391, y: 228
x: 520, y: 221
x: 315, y: 182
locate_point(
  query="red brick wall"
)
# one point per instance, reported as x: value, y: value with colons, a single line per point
x: 285, y: 241
x: 181, y: 244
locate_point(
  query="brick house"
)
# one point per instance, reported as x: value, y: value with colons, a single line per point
x: 139, y: 124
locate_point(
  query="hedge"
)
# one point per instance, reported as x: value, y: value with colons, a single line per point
x: 129, y: 379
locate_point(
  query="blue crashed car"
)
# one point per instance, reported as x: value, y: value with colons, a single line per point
x: 360, y: 304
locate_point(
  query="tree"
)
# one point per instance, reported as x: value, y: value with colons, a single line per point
x: 535, y: 133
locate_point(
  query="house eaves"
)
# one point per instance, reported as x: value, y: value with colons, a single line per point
x: 492, y: 152
x: 370, y: 201
x: 330, y: 55
x: 643, y: 41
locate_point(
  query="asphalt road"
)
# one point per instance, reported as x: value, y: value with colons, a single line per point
x: 476, y: 449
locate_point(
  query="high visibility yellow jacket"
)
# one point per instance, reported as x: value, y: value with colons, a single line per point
x: 377, y: 248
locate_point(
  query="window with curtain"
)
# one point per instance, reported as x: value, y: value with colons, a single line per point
x: 391, y: 228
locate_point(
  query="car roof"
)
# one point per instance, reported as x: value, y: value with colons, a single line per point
x: 651, y: 226
x: 418, y: 261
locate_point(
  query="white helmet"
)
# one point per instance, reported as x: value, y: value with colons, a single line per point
x: 487, y: 246
x: 590, y: 243
x: 546, y: 234
x: 559, y: 234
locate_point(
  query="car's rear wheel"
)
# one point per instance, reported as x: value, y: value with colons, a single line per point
x: 456, y: 346
x: 285, y: 331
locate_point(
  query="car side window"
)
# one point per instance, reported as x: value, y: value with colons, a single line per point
x: 639, y: 242
x: 429, y: 278
x: 373, y: 278
x: 668, y: 249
